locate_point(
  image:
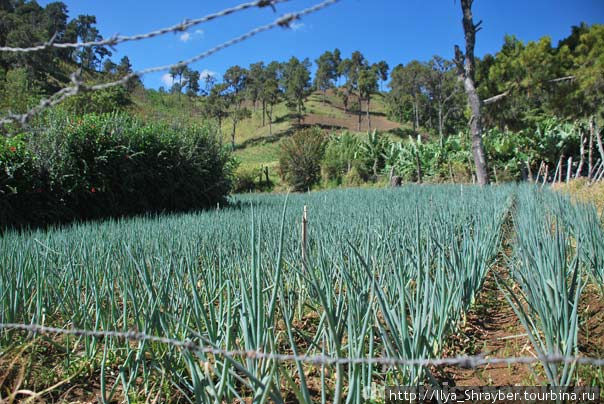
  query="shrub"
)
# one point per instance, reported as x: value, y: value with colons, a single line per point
x: 103, y: 101
x: 113, y: 165
x: 300, y: 158
x: 341, y: 156
x: 245, y: 181
x: 23, y: 187
x: 251, y: 180
x: 353, y: 178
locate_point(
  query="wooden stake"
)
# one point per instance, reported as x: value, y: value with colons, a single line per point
x: 599, y: 173
x: 569, y: 169
x: 591, y: 145
x: 582, y: 155
x: 539, y: 172
x: 558, y: 168
x: 594, y: 170
x: 304, y: 224
x: 599, y: 141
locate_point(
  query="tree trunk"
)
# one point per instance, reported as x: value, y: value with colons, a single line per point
x: 569, y: 169
x: 440, y: 126
x: 233, y: 133
x: 530, y: 172
x: 414, y: 121
x: 263, y: 113
x: 368, y: 114
x: 416, y: 115
x: 465, y: 66
x: 419, y: 167
x: 270, y: 121
x: 360, y: 112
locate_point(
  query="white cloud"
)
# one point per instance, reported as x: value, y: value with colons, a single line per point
x: 187, y: 36
x: 167, y: 80
x: 205, y: 73
x: 296, y: 25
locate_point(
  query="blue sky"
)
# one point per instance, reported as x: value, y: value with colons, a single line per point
x: 393, y: 30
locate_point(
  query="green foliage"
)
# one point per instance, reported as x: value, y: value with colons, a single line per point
x: 450, y: 159
x: 112, y: 99
x: 372, y: 151
x: 113, y: 165
x: 510, y: 151
x: 296, y: 84
x: 300, y: 158
x: 23, y: 186
x: 539, y: 79
x: 341, y: 156
x: 25, y: 77
x: 327, y: 70
x: 18, y: 91
x: 427, y: 94
x: 251, y: 180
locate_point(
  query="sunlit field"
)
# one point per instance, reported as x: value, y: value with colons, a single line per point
x: 388, y: 273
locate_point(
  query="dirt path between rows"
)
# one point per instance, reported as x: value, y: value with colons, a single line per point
x: 492, y: 329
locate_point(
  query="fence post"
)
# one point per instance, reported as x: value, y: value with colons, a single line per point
x: 556, y: 172
x: 539, y: 172
x: 569, y: 169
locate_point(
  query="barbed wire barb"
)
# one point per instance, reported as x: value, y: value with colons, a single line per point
x: 61, y: 95
x: 470, y: 362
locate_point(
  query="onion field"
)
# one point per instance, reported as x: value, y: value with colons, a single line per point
x: 386, y: 273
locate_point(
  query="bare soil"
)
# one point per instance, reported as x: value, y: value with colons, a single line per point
x: 350, y: 122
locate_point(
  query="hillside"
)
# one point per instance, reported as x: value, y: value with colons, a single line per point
x: 256, y: 147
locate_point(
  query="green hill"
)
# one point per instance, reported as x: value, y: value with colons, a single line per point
x: 257, y: 144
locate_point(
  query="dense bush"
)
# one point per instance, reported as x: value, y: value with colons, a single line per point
x: 103, y: 101
x: 376, y: 156
x: 251, y: 180
x: 109, y: 165
x: 342, y: 155
x: 300, y: 159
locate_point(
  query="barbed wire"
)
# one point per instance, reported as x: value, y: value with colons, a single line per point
x: 116, y: 39
x: 459, y: 361
x: 79, y: 86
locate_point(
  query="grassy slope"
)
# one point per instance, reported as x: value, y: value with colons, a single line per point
x: 581, y: 190
x: 255, y: 146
